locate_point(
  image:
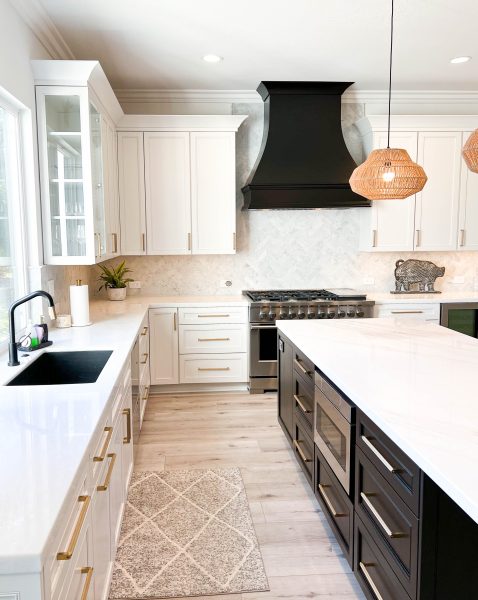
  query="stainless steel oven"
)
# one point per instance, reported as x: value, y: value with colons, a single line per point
x: 263, y: 357
x: 334, y: 429
x: 460, y: 316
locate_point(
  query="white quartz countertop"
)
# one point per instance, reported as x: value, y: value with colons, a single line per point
x: 416, y: 380
x: 388, y: 298
x: 46, y: 430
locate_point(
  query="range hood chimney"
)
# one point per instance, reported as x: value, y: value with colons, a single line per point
x: 303, y: 161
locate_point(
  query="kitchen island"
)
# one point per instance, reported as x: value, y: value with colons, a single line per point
x: 414, y: 386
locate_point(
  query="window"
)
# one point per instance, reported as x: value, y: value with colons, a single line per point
x: 12, y: 263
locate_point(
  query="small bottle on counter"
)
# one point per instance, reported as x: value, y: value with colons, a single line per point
x: 42, y: 330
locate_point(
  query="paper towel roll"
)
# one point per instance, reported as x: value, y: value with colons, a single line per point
x: 79, y: 305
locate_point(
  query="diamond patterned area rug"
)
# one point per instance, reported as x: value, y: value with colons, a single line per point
x: 187, y: 533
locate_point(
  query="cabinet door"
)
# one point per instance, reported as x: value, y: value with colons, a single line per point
x: 79, y: 585
x: 168, y: 200
x: 116, y: 483
x: 286, y: 384
x: 98, y: 164
x: 468, y: 214
x: 163, y: 345
x: 110, y: 170
x: 439, y: 153
x: 213, y: 193
x: 100, y: 526
x: 127, y: 447
x: 389, y: 224
x: 131, y: 192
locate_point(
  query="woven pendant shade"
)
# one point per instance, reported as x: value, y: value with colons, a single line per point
x: 470, y: 152
x: 388, y: 174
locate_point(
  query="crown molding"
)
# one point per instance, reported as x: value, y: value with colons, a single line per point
x: 180, y: 122
x: 38, y: 20
x: 411, y: 96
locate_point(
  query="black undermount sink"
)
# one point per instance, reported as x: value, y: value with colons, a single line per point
x: 57, y: 368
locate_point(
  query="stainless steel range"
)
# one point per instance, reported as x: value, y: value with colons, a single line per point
x: 268, y: 306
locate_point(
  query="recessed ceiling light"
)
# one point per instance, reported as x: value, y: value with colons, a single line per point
x: 212, y: 58
x: 460, y: 59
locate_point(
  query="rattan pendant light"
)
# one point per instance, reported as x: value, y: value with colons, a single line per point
x: 470, y: 152
x: 390, y: 173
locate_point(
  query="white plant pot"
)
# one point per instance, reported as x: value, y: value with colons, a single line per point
x: 116, y: 293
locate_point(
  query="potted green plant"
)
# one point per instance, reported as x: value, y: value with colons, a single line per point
x: 114, y: 281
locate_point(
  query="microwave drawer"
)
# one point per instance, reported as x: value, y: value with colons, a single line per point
x: 374, y: 574
x: 391, y: 462
x: 335, y: 503
x: 395, y: 525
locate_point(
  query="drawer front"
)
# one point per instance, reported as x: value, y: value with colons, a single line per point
x: 424, y: 311
x: 144, y: 337
x: 304, y: 366
x: 208, y: 339
x: 213, y: 368
x: 371, y: 569
x: 303, y: 395
x: 101, y: 450
x: 393, y: 464
x: 143, y: 365
x: 395, y: 526
x: 213, y: 314
x: 79, y: 583
x: 335, y: 503
x: 304, y: 448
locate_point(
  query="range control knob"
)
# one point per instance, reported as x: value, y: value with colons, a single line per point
x: 359, y: 312
x: 340, y: 312
x: 263, y: 312
x: 311, y: 313
x: 272, y: 314
x: 292, y: 313
x: 350, y: 312
x: 301, y: 313
x: 331, y: 312
x: 321, y: 314
x: 282, y: 313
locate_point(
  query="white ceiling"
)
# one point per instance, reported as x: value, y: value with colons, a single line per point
x: 158, y: 44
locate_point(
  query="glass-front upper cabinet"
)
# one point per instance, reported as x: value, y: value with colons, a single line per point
x: 71, y: 172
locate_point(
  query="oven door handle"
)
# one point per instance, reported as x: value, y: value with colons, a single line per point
x: 258, y: 327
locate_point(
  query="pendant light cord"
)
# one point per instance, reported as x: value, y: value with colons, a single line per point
x: 390, y: 79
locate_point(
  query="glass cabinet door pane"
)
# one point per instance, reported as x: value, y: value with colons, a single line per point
x: 65, y: 170
x: 97, y: 178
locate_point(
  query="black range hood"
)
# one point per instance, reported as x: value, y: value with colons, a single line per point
x: 303, y: 161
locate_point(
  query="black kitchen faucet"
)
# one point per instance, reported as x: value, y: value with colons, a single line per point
x: 12, y: 345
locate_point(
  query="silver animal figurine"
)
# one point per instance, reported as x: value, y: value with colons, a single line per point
x: 416, y: 272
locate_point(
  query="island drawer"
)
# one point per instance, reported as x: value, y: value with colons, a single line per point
x: 392, y: 463
x: 394, y: 525
x: 374, y: 574
x: 213, y: 314
x: 335, y: 503
x: 303, y: 447
x: 303, y: 396
x: 304, y: 366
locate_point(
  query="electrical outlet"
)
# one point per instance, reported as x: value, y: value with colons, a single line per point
x: 135, y: 285
x: 51, y: 287
x: 225, y: 283
x: 368, y: 281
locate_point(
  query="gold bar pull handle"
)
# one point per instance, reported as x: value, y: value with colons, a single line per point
x: 323, y: 493
x: 301, y: 452
x: 376, y: 514
x: 303, y: 408
x: 418, y: 238
x: 143, y: 242
x: 145, y: 331
x: 115, y: 243
x: 406, y: 312
x: 301, y: 367
x: 462, y: 237
x: 143, y: 362
x: 225, y: 339
x: 234, y: 241
x: 189, y: 242
x: 127, y: 414
x: 214, y: 369
x: 101, y: 457
x: 68, y: 553
x: 374, y: 238
x: 217, y: 316
x: 146, y: 392
x: 174, y: 321
x: 106, y: 484
x: 88, y: 571
x: 380, y: 457
x: 363, y: 568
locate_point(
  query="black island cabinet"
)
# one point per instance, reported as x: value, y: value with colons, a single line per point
x: 403, y: 536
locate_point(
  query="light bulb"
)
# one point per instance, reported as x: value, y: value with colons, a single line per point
x: 388, y: 176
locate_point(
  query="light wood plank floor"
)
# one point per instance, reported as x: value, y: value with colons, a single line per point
x: 301, y: 558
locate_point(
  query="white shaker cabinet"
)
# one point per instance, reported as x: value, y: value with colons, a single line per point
x: 439, y: 153
x: 213, y: 192
x: 389, y: 224
x: 468, y: 213
x: 168, y: 192
x: 111, y: 195
x: 163, y: 343
x: 131, y: 192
